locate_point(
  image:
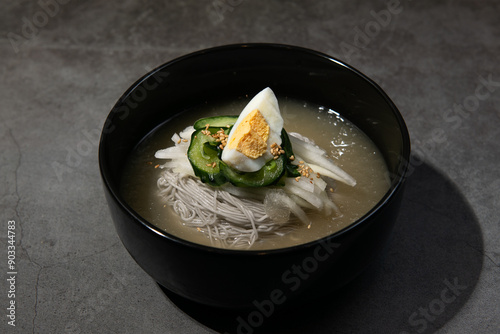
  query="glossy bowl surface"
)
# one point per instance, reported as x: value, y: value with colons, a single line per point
x: 238, y: 278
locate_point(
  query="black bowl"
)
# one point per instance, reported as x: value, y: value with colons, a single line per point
x: 240, y: 278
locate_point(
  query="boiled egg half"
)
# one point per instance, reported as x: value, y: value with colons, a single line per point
x: 258, y: 127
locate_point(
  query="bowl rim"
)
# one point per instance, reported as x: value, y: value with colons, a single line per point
x: 388, y: 196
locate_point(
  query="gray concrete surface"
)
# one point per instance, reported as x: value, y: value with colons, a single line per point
x: 65, y: 63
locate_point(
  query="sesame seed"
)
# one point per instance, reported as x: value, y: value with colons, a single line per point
x: 185, y: 140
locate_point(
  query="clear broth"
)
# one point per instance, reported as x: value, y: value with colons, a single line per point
x: 347, y: 145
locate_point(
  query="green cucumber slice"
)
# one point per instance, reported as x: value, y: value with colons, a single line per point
x: 268, y: 175
x: 215, y: 122
x: 203, y: 156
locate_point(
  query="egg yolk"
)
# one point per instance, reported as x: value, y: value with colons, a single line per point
x: 250, y: 137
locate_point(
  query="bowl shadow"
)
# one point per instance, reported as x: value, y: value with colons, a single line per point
x: 426, y: 274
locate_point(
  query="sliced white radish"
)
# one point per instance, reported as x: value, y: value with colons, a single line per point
x: 187, y: 132
x: 334, y: 172
x: 292, y: 187
x: 296, y: 210
x: 173, y: 152
x: 300, y: 143
x: 301, y: 202
x: 315, y: 155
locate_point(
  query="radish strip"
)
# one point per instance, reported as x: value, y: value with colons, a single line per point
x: 315, y: 155
x: 319, y: 183
x: 336, y: 174
x: 303, y: 183
x: 183, y: 170
x: 187, y: 132
x: 329, y: 205
x: 170, y: 153
x: 296, y: 210
x: 304, y: 143
x: 301, y: 202
x: 292, y: 187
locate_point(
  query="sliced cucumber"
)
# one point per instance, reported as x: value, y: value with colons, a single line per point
x: 268, y: 175
x: 215, y: 122
x: 204, y: 158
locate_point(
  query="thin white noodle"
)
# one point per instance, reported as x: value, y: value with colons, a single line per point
x: 227, y: 220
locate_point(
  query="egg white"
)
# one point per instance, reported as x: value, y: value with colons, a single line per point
x: 267, y: 103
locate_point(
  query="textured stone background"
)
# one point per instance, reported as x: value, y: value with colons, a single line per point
x: 63, y: 66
